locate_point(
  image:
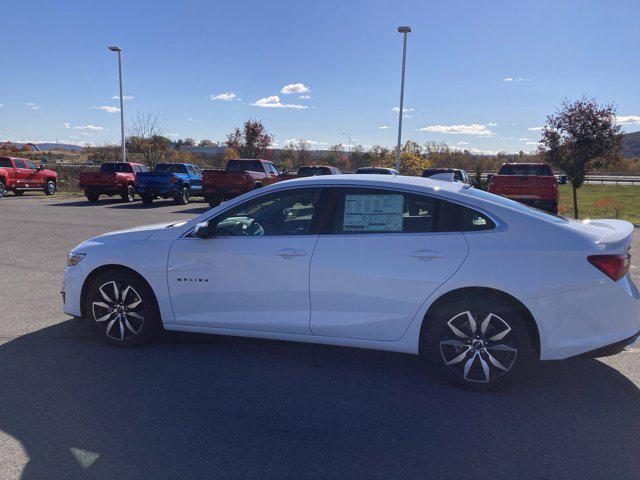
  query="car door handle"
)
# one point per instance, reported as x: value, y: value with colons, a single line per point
x: 428, y: 254
x: 290, y: 252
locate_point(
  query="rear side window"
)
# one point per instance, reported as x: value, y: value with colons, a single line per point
x: 244, y: 165
x: 526, y: 170
x: 313, y: 171
x: 171, y: 168
x: 458, y: 218
x: 366, y: 211
x: 115, y: 168
x: 19, y: 164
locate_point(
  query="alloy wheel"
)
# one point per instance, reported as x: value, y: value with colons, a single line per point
x: 478, y: 351
x: 118, y: 309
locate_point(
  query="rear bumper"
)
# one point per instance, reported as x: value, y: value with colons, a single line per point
x: 613, y: 349
x: 226, y: 192
x: 590, y: 321
x: 156, y: 191
x: 103, y: 189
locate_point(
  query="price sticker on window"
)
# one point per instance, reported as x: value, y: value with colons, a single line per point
x: 373, y: 213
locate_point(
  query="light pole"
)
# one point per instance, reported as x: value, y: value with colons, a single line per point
x: 346, y: 135
x: 404, y: 31
x: 124, y: 151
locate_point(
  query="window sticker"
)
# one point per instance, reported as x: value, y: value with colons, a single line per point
x: 373, y: 213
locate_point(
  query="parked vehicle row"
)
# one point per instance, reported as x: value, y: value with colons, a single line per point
x: 20, y: 175
x: 533, y: 184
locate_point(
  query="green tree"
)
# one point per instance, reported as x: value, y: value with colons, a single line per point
x: 581, y: 135
x: 253, y: 141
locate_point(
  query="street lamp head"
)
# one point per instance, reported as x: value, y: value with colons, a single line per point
x: 115, y: 49
x: 405, y: 29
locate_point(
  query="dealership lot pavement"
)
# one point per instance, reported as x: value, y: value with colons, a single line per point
x: 205, y: 406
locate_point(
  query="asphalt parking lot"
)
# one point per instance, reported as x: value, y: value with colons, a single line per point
x: 219, y: 407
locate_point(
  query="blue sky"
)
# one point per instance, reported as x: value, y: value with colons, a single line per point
x: 480, y: 74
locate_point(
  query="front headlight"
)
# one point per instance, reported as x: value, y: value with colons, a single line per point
x: 74, y: 258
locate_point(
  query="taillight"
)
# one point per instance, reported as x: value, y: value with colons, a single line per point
x: 613, y: 266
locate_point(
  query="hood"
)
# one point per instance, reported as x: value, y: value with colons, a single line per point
x: 136, y: 233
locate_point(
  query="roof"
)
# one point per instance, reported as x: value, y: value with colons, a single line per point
x: 393, y: 181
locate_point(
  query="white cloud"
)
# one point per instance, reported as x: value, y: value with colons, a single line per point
x: 93, y: 128
x: 627, y: 119
x: 536, y: 129
x: 294, y: 88
x: 473, y: 129
x: 125, y: 97
x: 66, y: 125
x: 310, y: 142
x: 508, y: 79
x: 492, y: 124
x: 273, y: 101
x: 513, y: 79
x: 172, y: 135
x: 305, y: 97
x: 32, y: 106
x: 383, y: 127
x: 108, y: 109
x: 463, y: 143
x: 225, y: 96
x: 533, y: 143
x: 404, y: 109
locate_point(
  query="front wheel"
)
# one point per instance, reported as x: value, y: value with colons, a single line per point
x: 50, y: 187
x: 93, y: 197
x: 477, y: 342
x: 122, y: 309
x: 147, y: 199
x: 182, y: 197
x: 214, y: 201
x: 18, y: 193
x: 128, y: 194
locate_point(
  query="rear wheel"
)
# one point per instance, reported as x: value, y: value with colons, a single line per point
x: 182, y: 197
x: 214, y: 201
x: 18, y: 193
x: 129, y: 194
x: 122, y: 309
x: 478, y: 341
x: 3, y: 190
x: 50, y: 187
x: 147, y: 199
x: 93, y: 197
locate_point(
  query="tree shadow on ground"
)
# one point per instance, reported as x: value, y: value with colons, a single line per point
x: 207, y: 406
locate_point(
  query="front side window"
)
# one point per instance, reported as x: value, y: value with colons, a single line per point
x: 364, y: 210
x: 284, y: 213
x: 31, y: 165
x: 19, y: 164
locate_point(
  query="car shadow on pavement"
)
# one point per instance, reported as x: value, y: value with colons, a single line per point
x: 157, y: 204
x: 207, y: 406
x: 87, y: 203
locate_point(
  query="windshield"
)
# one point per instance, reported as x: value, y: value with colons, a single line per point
x: 115, y: 168
x: 313, y: 171
x: 526, y: 169
x: 244, y: 166
x: 474, y: 192
x: 170, y: 168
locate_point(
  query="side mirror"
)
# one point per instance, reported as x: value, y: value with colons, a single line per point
x: 203, y: 231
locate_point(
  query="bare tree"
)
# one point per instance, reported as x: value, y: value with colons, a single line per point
x: 145, y: 138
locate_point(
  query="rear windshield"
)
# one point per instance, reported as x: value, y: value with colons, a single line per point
x: 313, y: 171
x: 523, y: 169
x: 457, y: 174
x: 378, y: 171
x: 170, y: 168
x: 474, y: 192
x: 244, y: 165
x: 115, y: 168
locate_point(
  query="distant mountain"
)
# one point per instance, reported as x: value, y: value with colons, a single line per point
x: 630, y: 145
x: 51, y: 146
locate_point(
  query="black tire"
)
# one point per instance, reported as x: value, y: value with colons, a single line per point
x: 182, y: 197
x: 3, y: 190
x: 93, y: 197
x: 257, y: 185
x: 129, y: 194
x: 473, y: 358
x: 18, y: 193
x: 214, y: 201
x: 129, y: 321
x: 50, y: 187
x: 147, y: 199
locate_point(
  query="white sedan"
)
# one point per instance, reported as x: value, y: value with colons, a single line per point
x: 476, y: 284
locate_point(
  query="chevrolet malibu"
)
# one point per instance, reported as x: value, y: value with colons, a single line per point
x: 478, y: 285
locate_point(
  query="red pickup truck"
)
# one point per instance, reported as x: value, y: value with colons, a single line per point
x: 241, y: 175
x: 530, y: 183
x: 118, y: 178
x: 21, y: 175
